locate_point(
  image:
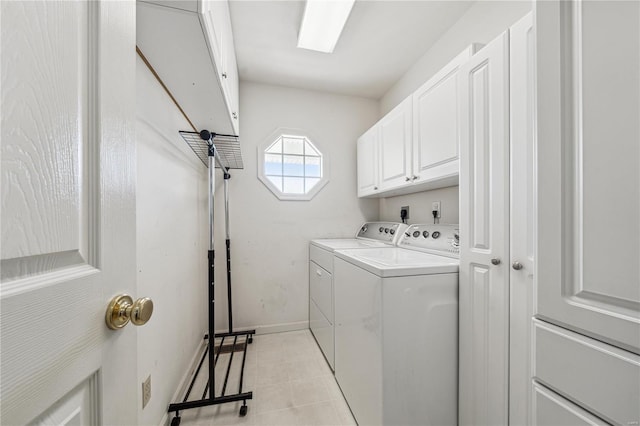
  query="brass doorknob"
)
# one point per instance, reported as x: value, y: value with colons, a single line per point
x: 123, y: 309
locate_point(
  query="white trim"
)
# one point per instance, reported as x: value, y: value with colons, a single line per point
x: 273, y: 328
x: 184, y: 381
x: 268, y: 141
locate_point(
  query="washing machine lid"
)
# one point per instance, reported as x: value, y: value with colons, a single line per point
x: 398, y: 262
x: 333, y: 244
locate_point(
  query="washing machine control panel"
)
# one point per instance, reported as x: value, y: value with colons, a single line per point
x: 437, y: 239
x: 381, y: 231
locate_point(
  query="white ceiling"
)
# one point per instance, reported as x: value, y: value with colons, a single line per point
x: 380, y: 42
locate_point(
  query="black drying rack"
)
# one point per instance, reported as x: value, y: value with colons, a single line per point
x: 221, y: 151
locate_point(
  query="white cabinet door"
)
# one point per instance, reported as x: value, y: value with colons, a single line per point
x: 367, y: 147
x: 436, y: 123
x: 227, y: 67
x: 522, y: 235
x: 395, y: 146
x: 484, y: 226
x: 588, y: 63
x: 68, y: 212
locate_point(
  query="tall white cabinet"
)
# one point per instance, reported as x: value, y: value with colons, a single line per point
x: 550, y: 220
x: 497, y: 192
x: 587, y: 327
x: 484, y: 228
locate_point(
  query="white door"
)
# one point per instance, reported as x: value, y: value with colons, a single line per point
x: 522, y: 235
x: 589, y: 178
x: 395, y: 146
x: 436, y: 123
x: 367, y: 147
x: 68, y: 212
x: 484, y: 231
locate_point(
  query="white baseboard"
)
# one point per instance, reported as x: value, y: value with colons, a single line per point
x: 274, y: 328
x: 186, y: 379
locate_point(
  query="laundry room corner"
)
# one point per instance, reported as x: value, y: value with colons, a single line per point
x: 269, y: 236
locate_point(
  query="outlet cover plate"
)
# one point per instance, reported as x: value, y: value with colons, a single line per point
x: 407, y: 209
x: 146, y: 391
x: 436, y: 206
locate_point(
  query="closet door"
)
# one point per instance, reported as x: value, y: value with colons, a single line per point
x: 589, y: 179
x: 522, y: 217
x: 484, y: 228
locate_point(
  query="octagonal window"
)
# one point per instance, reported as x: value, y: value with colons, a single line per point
x: 291, y: 166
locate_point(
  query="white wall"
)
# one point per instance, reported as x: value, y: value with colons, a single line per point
x: 420, y: 206
x: 484, y: 21
x: 269, y: 237
x: 171, y: 245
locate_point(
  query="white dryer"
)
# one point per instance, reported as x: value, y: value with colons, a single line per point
x: 396, y: 334
x: 321, y: 321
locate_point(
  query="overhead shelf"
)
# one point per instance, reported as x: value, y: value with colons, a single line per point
x: 190, y: 46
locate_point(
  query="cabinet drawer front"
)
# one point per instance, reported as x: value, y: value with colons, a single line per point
x: 321, y: 257
x: 322, y: 330
x: 550, y: 409
x: 602, y: 378
x: 321, y: 289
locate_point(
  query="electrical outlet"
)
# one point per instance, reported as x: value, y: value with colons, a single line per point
x: 406, y: 209
x: 436, y: 206
x: 146, y: 391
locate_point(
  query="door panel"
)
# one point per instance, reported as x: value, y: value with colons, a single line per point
x: 395, y: 146
x: 588, y: 129
x: 45, y: 148
x: 368, y: 163
x: 79, y: 407
x: 436, y: 122
x: 484, y: 228
x: 68, y: 206
x: 550, y: 409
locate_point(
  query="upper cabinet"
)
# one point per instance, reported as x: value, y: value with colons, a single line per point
x: 368, y: 163
x: 436, y: 123
x: 418, y: 140
x: 190, y: 46
x: 395, y: 146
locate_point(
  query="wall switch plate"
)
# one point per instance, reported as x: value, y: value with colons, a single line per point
x: 436, y: 206
x: 146, y: 391
x: 406, y: 208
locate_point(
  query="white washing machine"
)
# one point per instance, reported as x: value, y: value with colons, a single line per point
x: 396, y: 333
x: 321, y: 321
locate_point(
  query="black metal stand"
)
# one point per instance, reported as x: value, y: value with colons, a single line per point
x: 211, y: 353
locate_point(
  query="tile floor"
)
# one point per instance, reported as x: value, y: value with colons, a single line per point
x: 291, y: 383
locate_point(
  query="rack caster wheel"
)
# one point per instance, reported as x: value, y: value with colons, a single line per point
x: 175, y: 421
x: 243, y: 411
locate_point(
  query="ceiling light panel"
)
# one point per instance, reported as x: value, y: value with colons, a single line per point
x: 322, y: 24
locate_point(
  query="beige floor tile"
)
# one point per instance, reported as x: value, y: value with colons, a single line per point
x: 273, y: 397
x: 332, y: 387
x: 286, y: 417
x: 345, y: 418
x: 229, y: 414
x: 271, y: 373
x: 320, y: 414
x: 291, y: 381
x: 307, y: 368
x: 309, y: 391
